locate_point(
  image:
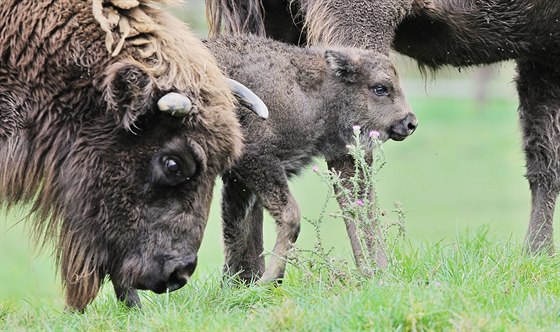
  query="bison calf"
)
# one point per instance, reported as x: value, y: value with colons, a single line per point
x: 315, y: 96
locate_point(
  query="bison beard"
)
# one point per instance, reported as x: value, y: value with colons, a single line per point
x: 437, y: 33
x: 121, y: 188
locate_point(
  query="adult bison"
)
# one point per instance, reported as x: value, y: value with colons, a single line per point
x: 114, y: 123
x: 443, y: 32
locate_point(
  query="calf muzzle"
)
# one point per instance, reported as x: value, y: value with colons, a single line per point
x: 403, y: 128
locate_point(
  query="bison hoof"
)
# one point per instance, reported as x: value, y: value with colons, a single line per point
x: 128, y: 296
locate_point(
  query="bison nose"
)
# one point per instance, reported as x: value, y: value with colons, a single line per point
x: 180, y: 272
x: 404, y: 128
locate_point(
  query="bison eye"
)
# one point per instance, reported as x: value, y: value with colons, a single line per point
x: 380, y: 90
x: 172, y: 166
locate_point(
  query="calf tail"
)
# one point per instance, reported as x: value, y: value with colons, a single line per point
x: 234, y: 17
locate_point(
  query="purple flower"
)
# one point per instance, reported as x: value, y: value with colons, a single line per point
x: 374, y: 134
x: 356, y: 127
x: 359, y: 202
x: 315, y: 168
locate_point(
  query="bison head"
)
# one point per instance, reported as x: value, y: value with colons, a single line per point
x: 377, y: 101
x: 138, y: 185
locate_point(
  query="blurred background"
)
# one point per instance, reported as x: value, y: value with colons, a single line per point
x: 461, y: 170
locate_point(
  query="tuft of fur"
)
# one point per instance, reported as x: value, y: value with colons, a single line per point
x: 360, y: 23
x: 313, y: 22
x: 281, y: 19
x: 235, y: 17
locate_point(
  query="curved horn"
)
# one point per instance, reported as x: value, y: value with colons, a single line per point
x: 248, y: 98
x: 175, y: 104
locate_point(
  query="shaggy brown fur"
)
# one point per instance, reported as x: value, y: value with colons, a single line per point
x: 81, y: 138
x: 458, y: 33
x: 314, y: 22
x: 315, y: 96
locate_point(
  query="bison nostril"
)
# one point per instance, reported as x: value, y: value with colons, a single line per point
x: 189, y: 267
x: 411, y: 123
x: 178, y: 278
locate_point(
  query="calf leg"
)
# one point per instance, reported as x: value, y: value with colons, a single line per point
x: 266, y: 177
x: 242, y: 219
x: 346, y: 166
x: 539, y: 94
x: 283, y: 207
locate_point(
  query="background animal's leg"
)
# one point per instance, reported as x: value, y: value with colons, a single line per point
x: 129, y: 296
x: 346, y: 166
x: 539, y: 94
x: 242, y: 220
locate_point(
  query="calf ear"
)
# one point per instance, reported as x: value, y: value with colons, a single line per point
x: 342, y: 65
x: 130, y: 92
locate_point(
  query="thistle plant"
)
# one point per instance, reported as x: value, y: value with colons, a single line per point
x: 371, y: 228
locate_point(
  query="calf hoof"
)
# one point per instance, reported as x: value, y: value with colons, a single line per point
x: 275, y: 280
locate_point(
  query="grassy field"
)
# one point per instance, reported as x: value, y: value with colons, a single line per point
x: 462, y: 170
x: 475, y: 284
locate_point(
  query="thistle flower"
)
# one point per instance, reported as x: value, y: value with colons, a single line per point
x: 374, y: 134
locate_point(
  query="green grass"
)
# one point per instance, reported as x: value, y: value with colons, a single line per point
x: 477, y: 283
x: 461, y: 170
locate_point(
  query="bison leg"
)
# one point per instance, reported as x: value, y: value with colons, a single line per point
x: 265, y: 176
x: 127, y: 295
x: 345, y: 165
x: 539, y: 93
x: 242, y: 219
x: 283, y: 207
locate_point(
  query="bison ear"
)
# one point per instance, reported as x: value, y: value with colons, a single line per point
x: 130, y: 92
x: 342, y: 65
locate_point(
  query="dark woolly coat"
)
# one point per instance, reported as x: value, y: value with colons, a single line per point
x: 81, y: 137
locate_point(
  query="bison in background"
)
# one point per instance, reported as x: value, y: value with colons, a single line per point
x: 311, y: 22
x: 437, y: 33
x: 114, y: 123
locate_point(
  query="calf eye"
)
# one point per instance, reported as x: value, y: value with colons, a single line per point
x: 380, y: 90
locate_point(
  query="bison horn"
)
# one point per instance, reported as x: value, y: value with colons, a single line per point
x: 175, y: 104
x: 248, y: 98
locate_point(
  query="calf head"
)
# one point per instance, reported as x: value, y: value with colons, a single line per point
x: 366, y: 87
x: 137, y: 186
